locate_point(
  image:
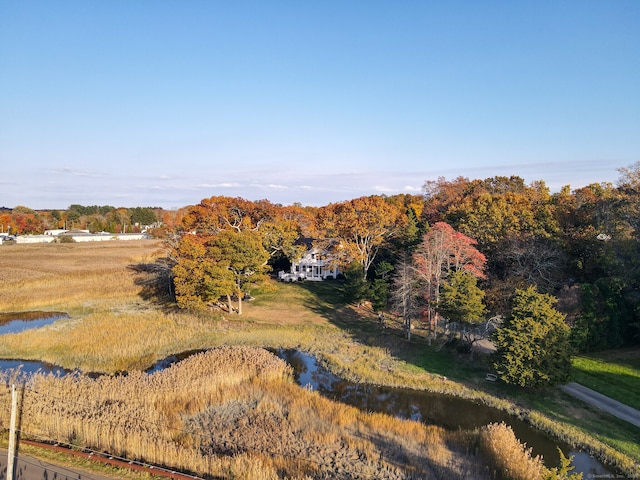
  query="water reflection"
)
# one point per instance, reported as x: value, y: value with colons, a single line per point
x: 30, y: 367
x: 432, y: 408
x: 16, y: 322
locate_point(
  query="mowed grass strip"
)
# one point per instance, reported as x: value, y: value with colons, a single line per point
x: 612, y: 373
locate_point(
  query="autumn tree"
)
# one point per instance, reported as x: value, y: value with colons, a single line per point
x: 442, y: 251
x: 414, y: 225
x: 441, y: 195
x: 533, y: 348
x: 218, y: 213
x: 122, y: 218
x: 491, y: 217
x: 199, y: 279
x: 600, y: 240
x: 405, y: 298
x: 208, y: 268
x: 629, y: 188
x: 518, y: 262
x: 24, y: 220
x: 277, y: 226
x: 243, y: 255
x: 362, y: 226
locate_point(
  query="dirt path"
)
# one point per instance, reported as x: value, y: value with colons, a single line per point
x: 603, y: 402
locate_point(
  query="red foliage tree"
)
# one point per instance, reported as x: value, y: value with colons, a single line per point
x: 442, y: 251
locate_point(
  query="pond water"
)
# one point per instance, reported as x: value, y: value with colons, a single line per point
x: 29, y: 367
x: 16, y: 322
x: 432, y: 408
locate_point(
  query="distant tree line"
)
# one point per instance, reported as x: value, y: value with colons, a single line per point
x: 22, y: 220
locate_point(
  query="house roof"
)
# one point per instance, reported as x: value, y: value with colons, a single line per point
x: 321, y: 243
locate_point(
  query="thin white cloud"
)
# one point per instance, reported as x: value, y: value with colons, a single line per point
x: 219, y: 185
x: 75, y: 172
x: 184, y: 186
x: 270, y: 186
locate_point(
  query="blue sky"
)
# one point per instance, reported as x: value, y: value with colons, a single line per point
x: 164, y: 103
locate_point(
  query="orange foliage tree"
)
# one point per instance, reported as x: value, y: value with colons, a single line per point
x: 234, y: 238
x: 362, y: 225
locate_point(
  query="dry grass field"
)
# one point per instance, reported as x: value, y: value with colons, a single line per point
x: 71, y: 276
x: 233, y: 412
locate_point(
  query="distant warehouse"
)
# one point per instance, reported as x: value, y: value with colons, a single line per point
x: 77, y: 236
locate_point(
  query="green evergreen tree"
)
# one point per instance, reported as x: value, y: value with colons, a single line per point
x: 379, y: 286
x: 533, y: 343
x: 461, y: 299
x: 143, y: 216
x: 356, y: 288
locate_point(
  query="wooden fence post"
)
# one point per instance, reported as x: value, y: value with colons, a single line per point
x: 11, y: 455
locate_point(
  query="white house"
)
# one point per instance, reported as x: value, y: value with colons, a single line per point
x: 315, y: 265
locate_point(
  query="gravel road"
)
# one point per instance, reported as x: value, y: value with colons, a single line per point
x: 603, y: 402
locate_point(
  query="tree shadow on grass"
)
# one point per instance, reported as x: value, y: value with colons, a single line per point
x: 363, y: 325
x: 155, y: 280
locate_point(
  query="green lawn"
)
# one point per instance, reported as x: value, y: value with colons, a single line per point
x: 614, y: 373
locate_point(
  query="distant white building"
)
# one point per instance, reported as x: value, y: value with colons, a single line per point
x: 35, y: 239
x: 103, y: 236
x: 78, y: 236
x: 6, y: 238
x: 316, y: 264
x: 56, y: 232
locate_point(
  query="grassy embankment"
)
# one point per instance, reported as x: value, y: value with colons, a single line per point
x: 615, y: 373
x: 112, y: 328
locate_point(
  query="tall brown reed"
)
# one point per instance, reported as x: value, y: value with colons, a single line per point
x: 510, y: 459
x: 230, y: 412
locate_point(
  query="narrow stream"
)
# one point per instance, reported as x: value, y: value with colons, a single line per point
x: 433, y: 408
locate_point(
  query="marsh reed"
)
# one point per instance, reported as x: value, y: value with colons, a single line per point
x: 229, y: 412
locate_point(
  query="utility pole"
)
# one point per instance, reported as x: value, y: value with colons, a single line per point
x: 11, y: 456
